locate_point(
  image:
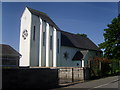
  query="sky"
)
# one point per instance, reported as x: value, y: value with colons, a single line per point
x: 90, y: 18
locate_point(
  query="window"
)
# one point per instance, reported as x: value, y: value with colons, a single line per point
x: 51, y: 41
x: 34, y: 33
x: 58, y: 45
x: 43, y: 38
x: 25, y: 34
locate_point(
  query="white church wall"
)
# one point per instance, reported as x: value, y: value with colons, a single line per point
x: 43, y: 46
x: 67, y: 62
x: 24, y: 47
x: 54, y: 47
x: 71, y: 52
x: 91, y: 54
x: 47, y: 44
x: 86, y: 58
x: 51, y: 46
x: 58, y: 44
x: 35, y: 37
x: 40, y: 43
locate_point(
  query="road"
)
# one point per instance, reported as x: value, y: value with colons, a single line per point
x: 108, y: 82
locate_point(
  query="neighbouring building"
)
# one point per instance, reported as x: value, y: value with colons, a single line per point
x: 9, y: 56
x: 44, y: 44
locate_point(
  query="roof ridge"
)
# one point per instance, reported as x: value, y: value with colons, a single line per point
x: 37, y: 11
x: 73, y: 34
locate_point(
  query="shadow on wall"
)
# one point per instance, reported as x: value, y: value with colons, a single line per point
x: 29, y: 78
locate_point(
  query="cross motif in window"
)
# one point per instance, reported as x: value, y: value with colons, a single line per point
x: 25, y: 34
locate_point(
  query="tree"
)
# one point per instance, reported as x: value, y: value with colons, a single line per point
x: 111, y: 44
x: 83, y: 35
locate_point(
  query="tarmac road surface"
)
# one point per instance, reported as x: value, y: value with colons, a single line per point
x: 109, y: 83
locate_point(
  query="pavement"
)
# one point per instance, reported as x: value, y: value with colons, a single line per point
x: 109, y: 83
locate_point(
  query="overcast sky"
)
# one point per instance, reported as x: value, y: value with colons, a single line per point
x: 90, y: 18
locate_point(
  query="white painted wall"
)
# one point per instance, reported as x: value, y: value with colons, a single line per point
x: 71, y: 51
x: 54, y: 47
x: 40, y: 43
x: 34, y: 44
x: 68, y: 62
x: 58, y: 47
x: 43, y: 47
x: 24, y: 47
x: 51, y: 49
x: 47, y: 45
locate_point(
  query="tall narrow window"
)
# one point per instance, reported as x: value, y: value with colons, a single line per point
x: 34, y: 33
x: 51, y: 41
x: 58, y: 45
x: 43, y: 38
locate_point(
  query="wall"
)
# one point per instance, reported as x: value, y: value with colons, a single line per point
x: 24, y: 47
x: 68, y: 62
x: 58, y: 47
x: 51, y: 49
x: 43, y: 48
x: 90, y: 55
x: 41, y: 55
x: 34, y: 41
x: 71, y: 52
x: 73, y: 74
x: 29, y: 78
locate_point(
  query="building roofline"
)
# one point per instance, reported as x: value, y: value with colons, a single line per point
x: 44, y: 17
x: 84, y: 38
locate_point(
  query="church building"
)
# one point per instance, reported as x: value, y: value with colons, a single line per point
x: 44, y: 44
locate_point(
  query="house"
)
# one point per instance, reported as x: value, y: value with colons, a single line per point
x: 9, y: 56
x: 44, y: 44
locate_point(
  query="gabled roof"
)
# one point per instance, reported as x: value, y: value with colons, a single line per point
x: 78, y: 56
x: 44, y: 17
x: 73, y: 40
x: 8, y: 51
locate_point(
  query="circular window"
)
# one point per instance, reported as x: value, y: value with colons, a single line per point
x: 25, y: 34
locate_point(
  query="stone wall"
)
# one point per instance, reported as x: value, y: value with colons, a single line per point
x: 29, y: 78
x: 72, y: 74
